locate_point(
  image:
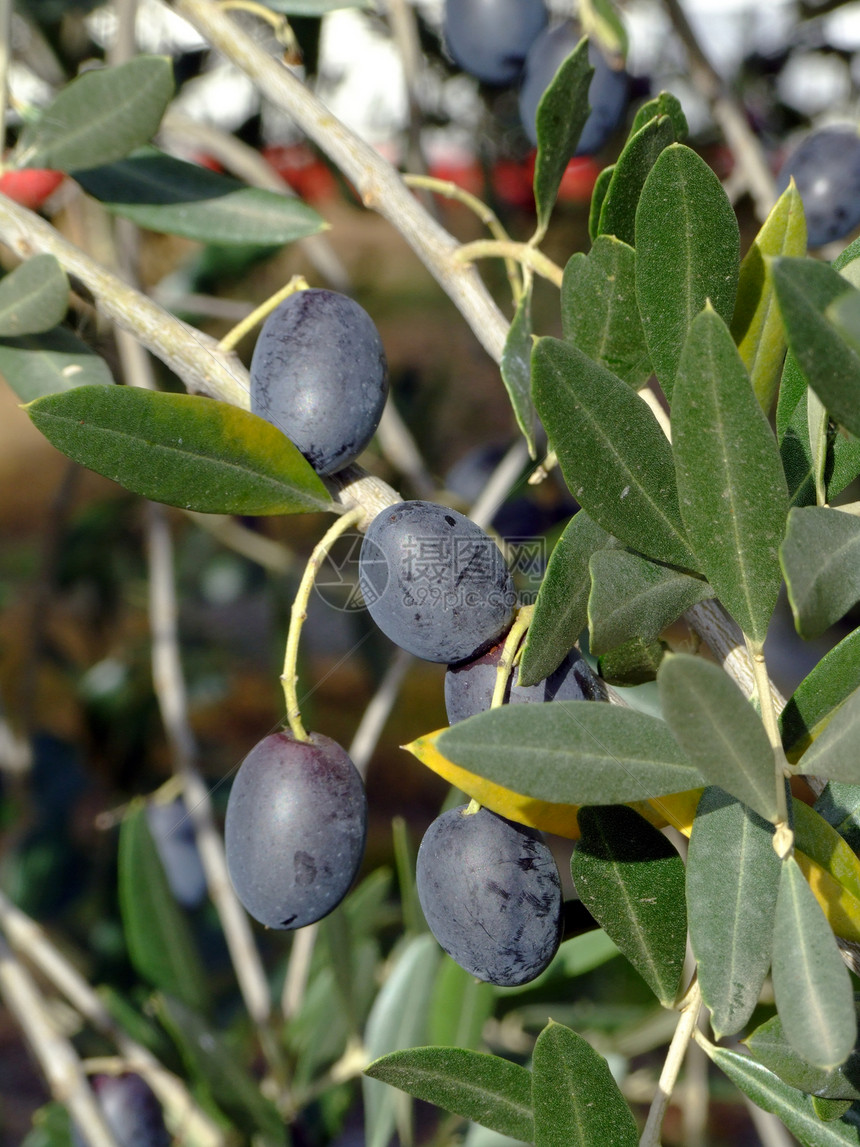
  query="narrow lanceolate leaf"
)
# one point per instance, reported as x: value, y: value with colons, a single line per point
x: 516, y: 369
x: 598, y: 194
x: 831, y: 867
x: 834, y: 753
x: 757, y: 326
x: 37, y: 365
x: 731, y: 906
x: 614, y: 457
x: 820, y: 562
x: 839, y: 806
x: 631, y: 880
x: 633, y: 597
x: 795, y: 453
x: 182, y: 450
x: 618, y: 213
x: 34, y: 297
x: 577, y: 1103
x: 220, y: 1075
x: 548, y: 815
x: 561, y: 115
x: 397, y: 1020
x: 159, y: 939
x: 719, y: 730
x: 770, y: 1047
x: 731, y: 485
x: 792, y: 388
x: 169, y: 195
x: 793, y: 1107
x: 805, y: 289
x: 599, y: 313
x: 819, y: 695
x: 101, y: 116
x: 662, y: 104
x: 811, y: 984
x: 460, y: 1007
x: 576, y: 752
x: 687, y: 252
x: 560, y: 613
x: 484, y: 1088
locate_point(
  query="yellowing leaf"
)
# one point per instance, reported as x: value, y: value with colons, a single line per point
x: 556, y: 818
x: 757, y: 326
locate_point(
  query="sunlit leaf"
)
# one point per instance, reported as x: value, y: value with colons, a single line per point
x: 820, y: 561
x: 719, y: 730
x: 599, y: 313
x: 181, y: 449
x: 615, y: 459
x: 757, y: 325
x: 731, y: 485
x: 687, y: 253
x: 810, y: 982
x: 560, y: 613
x: 731, y: 906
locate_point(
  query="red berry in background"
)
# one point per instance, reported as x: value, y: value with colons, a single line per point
x: 30, y: 186
x: 308, y: 176
x: 579, y: 179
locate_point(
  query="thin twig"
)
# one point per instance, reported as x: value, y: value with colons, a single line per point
x: 298, y: 970
x: 30, y: 940
x: 499, y: 484
x: 57, y: 1057
x: 378, y: 710
x: 524, y: 253
x: 399, y: 447
x: 378, y: 184
x: 298, y: 616
x: 672, y: 1066
x: 173, y: 701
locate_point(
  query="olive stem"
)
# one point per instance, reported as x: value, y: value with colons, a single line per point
x: 509, y: 652
x: 298, y: 616
x: 232, y: 337
x: 483, y: 211
x: 523, y: 253
x: 783, y: 840
x: 684, y: 1032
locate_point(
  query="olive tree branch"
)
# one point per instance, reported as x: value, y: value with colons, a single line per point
x: 56, y: 1055
x: 193, y: 356
x: 379, y: 185
x: 27, y: 938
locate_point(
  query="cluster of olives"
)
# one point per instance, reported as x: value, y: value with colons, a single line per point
x: 504, y: 42
x: 439, y: 587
